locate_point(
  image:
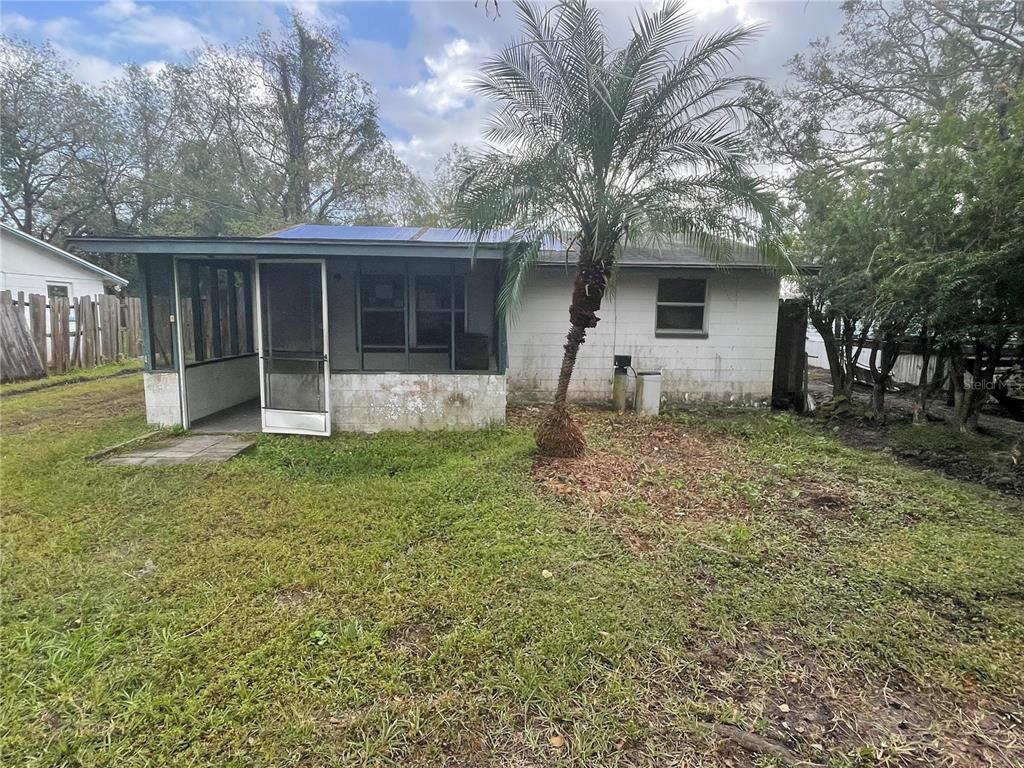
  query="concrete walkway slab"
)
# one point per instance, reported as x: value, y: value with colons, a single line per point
x: 191, y: 449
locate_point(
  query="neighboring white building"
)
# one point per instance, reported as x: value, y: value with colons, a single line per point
x: 368, y: 328
x: 31, y: 265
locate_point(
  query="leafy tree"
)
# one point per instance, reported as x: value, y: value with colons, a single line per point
x: 299, y: 121
x: 239, y: 140
x: 978, y: 307
x: 895, y: 107
x: 44, y: 116
x: 890, y: 64
x: 839, y: 235
x: 594, y: 145
x: 444, y: 185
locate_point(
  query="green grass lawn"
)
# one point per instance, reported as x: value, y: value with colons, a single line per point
x: 711, y: 588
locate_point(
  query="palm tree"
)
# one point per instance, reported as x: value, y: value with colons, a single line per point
x: 592, y: 145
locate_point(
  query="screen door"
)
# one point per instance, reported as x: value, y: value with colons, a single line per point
x: 294, y: 370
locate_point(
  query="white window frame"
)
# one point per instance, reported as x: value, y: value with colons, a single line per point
x: 60, y: 284
x: 700, y: 333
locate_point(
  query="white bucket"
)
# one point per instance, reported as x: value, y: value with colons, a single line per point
x: 648, y: 393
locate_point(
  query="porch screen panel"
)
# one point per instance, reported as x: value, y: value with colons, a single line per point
x: 216, y: 310
x: 383, y: 318
x: 433, y: 299
x: 424, y: 316
x: 159, y: 277
x: 476, y: 327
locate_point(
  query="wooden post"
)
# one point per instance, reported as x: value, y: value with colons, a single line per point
x: 106, y: 307
x: 59, y: 334
x: 37, y: 322
x: 76, y: 338
x: 135, y: 326
x: 113, y: 320
x: 87, y: 322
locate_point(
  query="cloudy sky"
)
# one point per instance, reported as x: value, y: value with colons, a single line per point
x: 417, y: 55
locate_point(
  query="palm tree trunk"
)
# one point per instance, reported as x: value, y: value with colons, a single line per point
x: 558, y: 434
x: 576, y: 336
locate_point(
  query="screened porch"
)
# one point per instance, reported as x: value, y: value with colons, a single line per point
x: 251, y: 336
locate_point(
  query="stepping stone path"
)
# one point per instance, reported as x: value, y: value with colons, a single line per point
x: 192, y: 449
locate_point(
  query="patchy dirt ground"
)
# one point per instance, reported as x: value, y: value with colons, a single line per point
x: 75, y: 405
x: 634, y: 465
x: 761, y: 699
x: 994, y: 457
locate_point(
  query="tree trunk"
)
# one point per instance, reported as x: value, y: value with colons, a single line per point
x: 823, y: 325
x: 968, y: 399
x: 558, y: 434
x: 965, y: 408
x: 889, y: 346
x: 920, y: 408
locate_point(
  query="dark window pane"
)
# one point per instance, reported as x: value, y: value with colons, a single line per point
x: 433, y: 329
x: 433, y: 292
x: 678, y: 289
x: 57, y: 291
x: 473, y: 351
x: 384, y: 329
x: 383, y: 291
x: 459, y: 288
x: 680, y: 318
x: 160, y: 295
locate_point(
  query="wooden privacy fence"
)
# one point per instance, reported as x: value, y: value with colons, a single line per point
x: 66, y: 333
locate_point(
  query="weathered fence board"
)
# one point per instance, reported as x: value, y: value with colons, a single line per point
x: 59, y: 330
x: 74, y: 332
x: 19, y: 356
x: 37, y: 321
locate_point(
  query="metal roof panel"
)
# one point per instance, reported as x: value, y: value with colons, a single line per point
x: 339, y: 232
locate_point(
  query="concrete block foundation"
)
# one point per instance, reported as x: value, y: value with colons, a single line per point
x: 360, y: 402
x: 163, y: 400
x: 371, y: 402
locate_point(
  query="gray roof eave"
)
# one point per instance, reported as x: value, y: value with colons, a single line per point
x: 667, y: 265
x: 268, y: 247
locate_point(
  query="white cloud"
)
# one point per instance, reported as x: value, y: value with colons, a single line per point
x: 134, y: 24
x: 451, y: 73
x: 15, y: 22
x: 90, y: 69
x: 740, y: 9
x: 116, y: 10
x: 309, y: 9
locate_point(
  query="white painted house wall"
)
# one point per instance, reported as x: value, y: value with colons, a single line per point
x: 733, y: 364
x: 26, y: 266
x: 214, y: 386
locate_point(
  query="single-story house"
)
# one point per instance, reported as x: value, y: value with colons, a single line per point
x: 323, y: 327
x: 31, y: 265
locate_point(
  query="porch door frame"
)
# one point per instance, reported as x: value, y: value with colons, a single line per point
x: 258, y: 313
x: 179, y: 350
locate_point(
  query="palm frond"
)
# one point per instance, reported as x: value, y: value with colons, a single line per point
x: 591, y: 143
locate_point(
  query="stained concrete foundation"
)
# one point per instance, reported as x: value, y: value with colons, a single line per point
x: 365, y: 402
